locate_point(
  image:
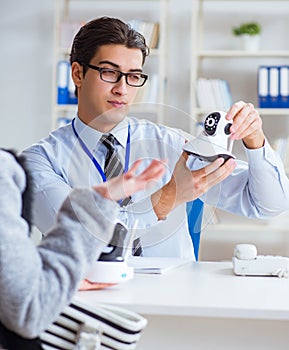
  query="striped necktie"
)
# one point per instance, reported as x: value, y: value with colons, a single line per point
x: 113, y: 167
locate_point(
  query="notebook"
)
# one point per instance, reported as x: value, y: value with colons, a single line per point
x: 155, y: 265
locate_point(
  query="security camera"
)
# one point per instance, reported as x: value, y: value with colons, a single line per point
x: 214, y: 141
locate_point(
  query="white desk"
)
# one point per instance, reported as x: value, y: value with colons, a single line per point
x: 205, y: 306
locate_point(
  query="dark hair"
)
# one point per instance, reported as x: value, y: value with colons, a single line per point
x: 105, y: 31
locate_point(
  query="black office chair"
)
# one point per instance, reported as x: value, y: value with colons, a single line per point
x: 195, y: 214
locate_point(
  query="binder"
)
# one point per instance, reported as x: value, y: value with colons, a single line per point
x: 226, y: 94
x: 284, y: 87
x: 274, y: 87
x: 213, y: 94
x: 263, y: 86
x: 62, y: 82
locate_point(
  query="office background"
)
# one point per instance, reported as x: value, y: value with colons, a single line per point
x: 26, y: 39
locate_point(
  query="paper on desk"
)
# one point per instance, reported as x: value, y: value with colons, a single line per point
x: 155, y: 265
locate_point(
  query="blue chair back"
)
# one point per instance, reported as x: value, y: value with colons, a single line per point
x: 195, y: 214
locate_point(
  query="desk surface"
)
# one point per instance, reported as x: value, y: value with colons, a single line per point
x: 199, y: 289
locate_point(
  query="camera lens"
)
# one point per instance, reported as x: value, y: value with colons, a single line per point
x: 227, y: 129
x: 211, y: 123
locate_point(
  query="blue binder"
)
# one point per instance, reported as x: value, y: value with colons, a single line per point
x: 274, y: 87
x: 284, y: 87
x: 62, y: 82
x: 263, y: 86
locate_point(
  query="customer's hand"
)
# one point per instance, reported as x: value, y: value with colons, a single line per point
x: 87, y: 285
x: 121, y: 187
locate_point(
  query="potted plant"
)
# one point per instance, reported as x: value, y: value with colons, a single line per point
x: 250, y: 35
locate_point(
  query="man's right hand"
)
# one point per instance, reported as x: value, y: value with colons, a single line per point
x: 186, y: 185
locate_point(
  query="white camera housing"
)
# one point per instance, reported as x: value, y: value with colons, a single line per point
x: 111, y: 267
x: 214, y: 141
x: 109, y: 272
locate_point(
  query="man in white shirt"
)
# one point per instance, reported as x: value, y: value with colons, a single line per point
x: 107, y: 57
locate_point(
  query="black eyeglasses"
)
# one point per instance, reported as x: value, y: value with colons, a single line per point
x: 110, y: 75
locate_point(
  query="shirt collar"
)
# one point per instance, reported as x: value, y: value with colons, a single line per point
x: 120, y: 132
x: 92, y: 136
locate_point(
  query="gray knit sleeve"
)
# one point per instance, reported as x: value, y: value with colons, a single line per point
x: 37, y: 282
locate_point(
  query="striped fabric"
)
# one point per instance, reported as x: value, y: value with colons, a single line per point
x: 101, y: 327
x: 112, y: 165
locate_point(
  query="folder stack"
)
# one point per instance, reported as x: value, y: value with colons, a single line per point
x: 65, y: 85
x: 213, y: 94
x: 273, y: 86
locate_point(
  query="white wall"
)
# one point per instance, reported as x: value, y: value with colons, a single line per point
x: 26, y: 39
x: 26, y: 66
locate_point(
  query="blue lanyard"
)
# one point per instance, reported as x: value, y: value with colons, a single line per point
x: 95, y: 162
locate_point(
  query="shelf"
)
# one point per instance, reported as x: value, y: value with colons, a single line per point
x: 241, y: 0
x: 242, y: 54
x: 262, y: 111
x: 116, y: 1
x: 232, y: 222
x: 210, y: 61
x: 274, y: 111
x: 235, y: 66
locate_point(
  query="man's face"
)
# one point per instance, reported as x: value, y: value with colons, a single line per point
x: 102, y: 104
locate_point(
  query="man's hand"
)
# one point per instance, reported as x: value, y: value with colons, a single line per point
x: 247, y: 125
x: 125, y: 185
x: 121, y: 187
x: 186, y: 185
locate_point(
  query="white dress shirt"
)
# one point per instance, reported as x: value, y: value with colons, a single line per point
x: 259, y: 188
